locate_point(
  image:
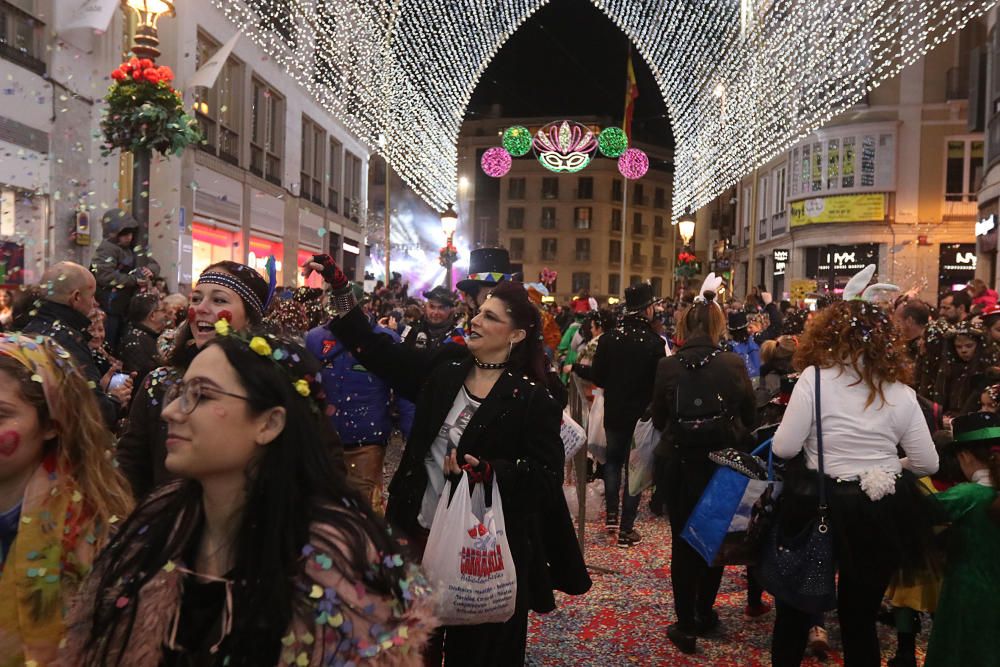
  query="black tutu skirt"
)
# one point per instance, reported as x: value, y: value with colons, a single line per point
x: 897, y: 528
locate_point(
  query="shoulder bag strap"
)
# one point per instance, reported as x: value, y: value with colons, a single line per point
x: 819, y: 458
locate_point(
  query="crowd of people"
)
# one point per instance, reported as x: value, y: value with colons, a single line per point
x: 197, y: 479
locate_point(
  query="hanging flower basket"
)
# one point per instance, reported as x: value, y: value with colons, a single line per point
x: 447, y: 256
x: 145, y: 113
x: 688, y: 265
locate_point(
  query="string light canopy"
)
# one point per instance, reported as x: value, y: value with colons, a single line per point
x: 742, y: 80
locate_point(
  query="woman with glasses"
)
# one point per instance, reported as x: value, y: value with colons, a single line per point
x: 226, y: 291
x: 261, y: 553
x: 60, y: 495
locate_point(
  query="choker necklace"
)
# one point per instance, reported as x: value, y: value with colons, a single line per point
x: 488, y: 367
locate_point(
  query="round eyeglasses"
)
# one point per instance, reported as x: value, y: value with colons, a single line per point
x: 189, y: 394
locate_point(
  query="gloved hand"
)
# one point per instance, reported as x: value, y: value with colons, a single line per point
x: 328, y: 268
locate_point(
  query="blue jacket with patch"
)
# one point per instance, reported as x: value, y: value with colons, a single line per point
x: 360, y: 403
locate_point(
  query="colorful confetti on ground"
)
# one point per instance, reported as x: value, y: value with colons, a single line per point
x: 623, y: 619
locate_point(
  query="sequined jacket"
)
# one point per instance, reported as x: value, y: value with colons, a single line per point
x: 347, y: 623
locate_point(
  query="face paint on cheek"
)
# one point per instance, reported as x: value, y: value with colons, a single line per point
x: 9, y: 442
x: 219, y: 411
x: 191, y: 315
x: 226, y: 315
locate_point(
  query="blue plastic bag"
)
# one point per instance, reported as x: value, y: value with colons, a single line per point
x: 727, y: 525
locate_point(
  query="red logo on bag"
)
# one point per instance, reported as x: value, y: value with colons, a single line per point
x: 481, y: 562
x: 477, y: 531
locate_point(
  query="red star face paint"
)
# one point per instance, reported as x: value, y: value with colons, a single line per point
x: 191, y: 315
x: 226, y: 315
x: 9, y: 442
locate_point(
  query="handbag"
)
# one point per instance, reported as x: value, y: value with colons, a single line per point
x: 734, y: 513
x: 799, y: 570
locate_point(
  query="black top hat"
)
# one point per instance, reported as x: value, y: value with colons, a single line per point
x: 737, y: 320
x: 487, y: 267
x: 977, y: 428
x: 638, y: 297
x: 440, y: 294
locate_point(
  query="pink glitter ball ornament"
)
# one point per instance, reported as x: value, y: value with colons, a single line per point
x: 632, y: 164
x: 496, y: 162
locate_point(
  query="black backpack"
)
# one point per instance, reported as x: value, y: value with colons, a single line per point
x: 701, y: 418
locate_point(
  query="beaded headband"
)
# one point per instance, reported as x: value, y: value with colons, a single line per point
x: 238, y: 286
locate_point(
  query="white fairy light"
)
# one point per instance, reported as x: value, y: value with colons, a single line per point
x: 405, y: 70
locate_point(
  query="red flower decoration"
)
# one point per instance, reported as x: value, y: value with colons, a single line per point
x: 166, y: 74
x: 145, y: 63
x: 119, y: 75
x: 151, y: 75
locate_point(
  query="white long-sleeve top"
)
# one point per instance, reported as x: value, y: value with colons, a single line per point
x: 856, y: 438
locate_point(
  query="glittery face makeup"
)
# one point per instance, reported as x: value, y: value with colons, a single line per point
x: 10, y: 441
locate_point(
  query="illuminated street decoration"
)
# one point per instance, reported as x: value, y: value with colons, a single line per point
x: 496, y: 162
x: 517, y: 140
x: 778, y: 70
x: 612, y: 141
x: 565, y: 146
x: 633, y: 164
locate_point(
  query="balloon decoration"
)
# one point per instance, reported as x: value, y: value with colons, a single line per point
x: 517, y: 140
x: 612, y: 141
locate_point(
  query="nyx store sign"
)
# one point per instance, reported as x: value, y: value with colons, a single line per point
x: 958, y: 258
x: 780, y: 258
x: 841, y: 259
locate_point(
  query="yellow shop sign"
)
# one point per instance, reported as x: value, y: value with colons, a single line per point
x: 839, y: 208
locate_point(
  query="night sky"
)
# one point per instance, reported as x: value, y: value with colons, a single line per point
x: 570, y: 59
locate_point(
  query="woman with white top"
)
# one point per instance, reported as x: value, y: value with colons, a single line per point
x: 876, y: 513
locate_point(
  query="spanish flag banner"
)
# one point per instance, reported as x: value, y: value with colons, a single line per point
x: 631, y: 93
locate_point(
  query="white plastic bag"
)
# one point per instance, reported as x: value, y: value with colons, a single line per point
x: 594, y: 499
x: 573, y: 435
x: 640, y: 459
x: 468, y: 559
x: 597, y: 440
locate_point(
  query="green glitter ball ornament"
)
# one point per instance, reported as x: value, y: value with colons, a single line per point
x: 517, y: 140
x: 612, y: 141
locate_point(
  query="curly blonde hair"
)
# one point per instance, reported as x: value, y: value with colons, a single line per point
x: 860, y: 336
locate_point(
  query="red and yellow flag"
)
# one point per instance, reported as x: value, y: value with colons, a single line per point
x: 631, y: 93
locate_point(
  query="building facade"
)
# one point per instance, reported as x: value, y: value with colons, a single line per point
x: 276, y: 175
x: 573, y: 223
x: 892, y: 182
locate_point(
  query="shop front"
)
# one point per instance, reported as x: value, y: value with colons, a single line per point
x: 305, y: 255
x: 831, y: 266
x: 211, y: 243
x: 956, y: 266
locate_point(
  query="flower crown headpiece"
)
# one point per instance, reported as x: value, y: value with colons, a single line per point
x: 273, y: 348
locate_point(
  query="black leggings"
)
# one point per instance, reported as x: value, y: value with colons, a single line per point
x: 865, y: 565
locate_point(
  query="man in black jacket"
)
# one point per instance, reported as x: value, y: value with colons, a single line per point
x: 625, y: 368
x: 64, y: 316
x: 138, y: 351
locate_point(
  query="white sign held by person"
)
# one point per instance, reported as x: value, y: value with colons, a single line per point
x: 209, y: 72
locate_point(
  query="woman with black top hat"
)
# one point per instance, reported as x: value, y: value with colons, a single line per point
x: 226, y: 291
x: 968, y: 616
x: 702, y: 401
x: 482, y: 407
x: 877, y: 515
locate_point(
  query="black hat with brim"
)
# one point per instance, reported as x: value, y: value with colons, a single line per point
x: 639, y: 297
x: 487, y: 267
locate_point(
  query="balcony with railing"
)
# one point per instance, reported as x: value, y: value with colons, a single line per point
x: 659, y: 262
x: 639, y: 260
x: 21, y: 38
x: 265, y: 164
x: 333, y: 200
x: 229, y: 145
x: 583, y: 255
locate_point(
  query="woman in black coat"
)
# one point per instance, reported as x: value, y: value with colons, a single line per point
x: 486, y: 407
x: 702, y: 401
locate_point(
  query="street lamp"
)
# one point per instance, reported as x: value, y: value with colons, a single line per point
x: 145, y: 45
x: 449, y: 223
x: 685, y: 225
x: 148, y: 12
